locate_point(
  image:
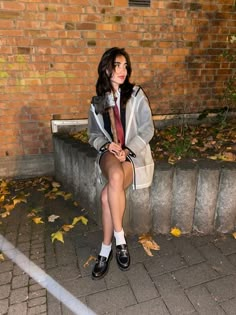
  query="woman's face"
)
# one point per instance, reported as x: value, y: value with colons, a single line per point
x: 120, y: 72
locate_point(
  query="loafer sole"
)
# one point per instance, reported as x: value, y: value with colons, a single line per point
x: 122, y: 268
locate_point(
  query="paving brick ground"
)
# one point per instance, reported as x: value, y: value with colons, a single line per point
x: 189, y: 275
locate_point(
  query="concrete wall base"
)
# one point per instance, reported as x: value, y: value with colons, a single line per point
x: 27, y: 166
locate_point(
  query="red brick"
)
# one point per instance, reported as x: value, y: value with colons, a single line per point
x: 15, y: 6
x: 6, y: 24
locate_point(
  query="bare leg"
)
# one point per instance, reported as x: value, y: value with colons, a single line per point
x: 119, y: 176
x: 106, y: 218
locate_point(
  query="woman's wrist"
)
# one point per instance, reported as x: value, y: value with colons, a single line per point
x: 127, y: 152
x: 104, y: 147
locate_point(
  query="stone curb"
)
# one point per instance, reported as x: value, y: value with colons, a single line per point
x: 195, y: 197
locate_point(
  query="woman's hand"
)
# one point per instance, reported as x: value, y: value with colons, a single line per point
x: 114, y: 148
x: 122, y: 156
x: 117, y: 151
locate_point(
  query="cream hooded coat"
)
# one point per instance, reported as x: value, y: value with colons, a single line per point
x: 139, y: 132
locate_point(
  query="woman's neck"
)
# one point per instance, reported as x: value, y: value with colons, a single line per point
x: 115, y: 87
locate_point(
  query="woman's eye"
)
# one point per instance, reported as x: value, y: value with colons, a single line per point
x: 119, y: 66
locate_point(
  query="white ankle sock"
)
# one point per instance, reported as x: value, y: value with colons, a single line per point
x: 105, y: 250
x: 120, y: 237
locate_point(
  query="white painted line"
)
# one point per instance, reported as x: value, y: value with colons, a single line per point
x: 43, y: 278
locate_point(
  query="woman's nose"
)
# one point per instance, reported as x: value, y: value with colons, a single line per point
x: 122, y: 69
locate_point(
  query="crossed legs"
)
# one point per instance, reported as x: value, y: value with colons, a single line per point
x: 119, y: 177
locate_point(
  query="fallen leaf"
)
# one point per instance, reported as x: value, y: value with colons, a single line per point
x: 172, y: 160
x: 194, y: 141
x: 57, y: 236
x: 75, y: 220
x: 2, y: 198
x: 34, y: 212
x: 5, y: 214
x: 37, y: 220
x: 67, y: 227
x: 176, y: 232
x: 86, y: 264
x: 228, y: 156
x: 19, y: 200
x: 67, y: 196
x: 59, y: 192
x: 234, y: 235
x: 148, y: 243
x: 53, y: 217
x: 2, y: 258
x: 80, y: 218
x: 9, y: 207
x: 41, y: 189
x: 56, y: 184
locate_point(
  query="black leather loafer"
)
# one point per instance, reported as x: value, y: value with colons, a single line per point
x: 123, y: 257
x: 101, y: 266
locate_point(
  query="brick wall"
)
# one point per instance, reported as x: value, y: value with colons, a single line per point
x: 49, y: 53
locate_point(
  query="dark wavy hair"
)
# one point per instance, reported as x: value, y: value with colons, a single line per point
x: 105, y: 70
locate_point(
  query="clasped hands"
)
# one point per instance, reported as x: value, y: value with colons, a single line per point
x: 119, y: 153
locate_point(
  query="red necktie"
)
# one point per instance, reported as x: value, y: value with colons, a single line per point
x: 119, y: 127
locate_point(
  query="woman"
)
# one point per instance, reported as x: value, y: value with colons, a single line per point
x: 123, y: 163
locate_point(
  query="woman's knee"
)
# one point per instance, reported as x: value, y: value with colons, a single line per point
x: 116, y: 178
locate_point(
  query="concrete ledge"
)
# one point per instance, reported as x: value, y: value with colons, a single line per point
x: 196, y: 197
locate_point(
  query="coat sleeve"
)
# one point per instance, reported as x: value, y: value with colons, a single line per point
x: 143, y: 124
x: 97, y: 139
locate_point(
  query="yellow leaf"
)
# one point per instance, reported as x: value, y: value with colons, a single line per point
x: 3, y: 184
x: 86, y: 264
x: 60, y: 193
x: 5, y: 214
x: 67, y: 196
x: 67, y: 227
x: 41, y: 189
x: 234, y: 235
x: 172, y: 160
x: 176, y: 232
x: 56, y: 184
x: 57, y: 236
x: 213, y: 157
x: 9, y: 207
x: 2, y: 198
x: 37, y: 220
x: 19, y: 200
x: 1, y: 257
x: 80, y: 218
x: 75, y: 220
